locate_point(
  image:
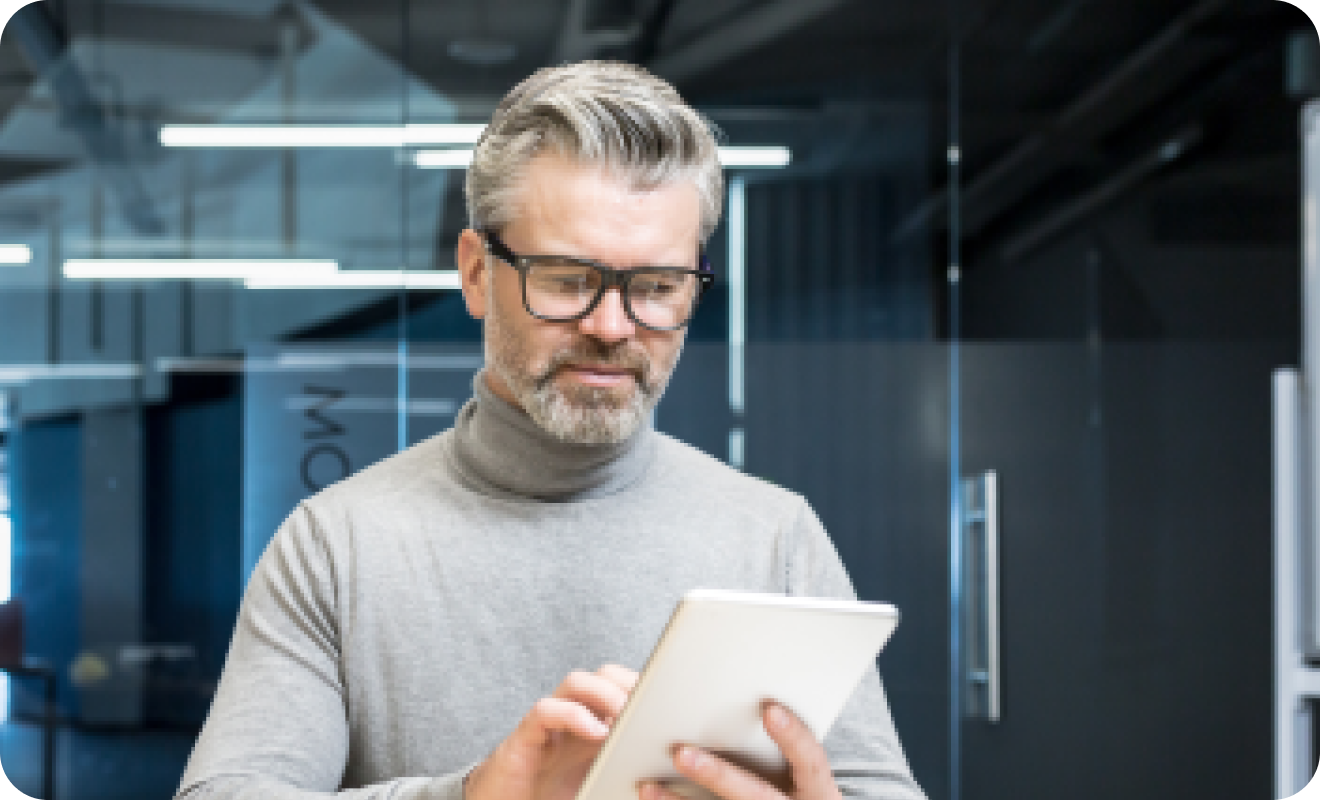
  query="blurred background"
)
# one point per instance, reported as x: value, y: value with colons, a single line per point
x: 1002, y: 285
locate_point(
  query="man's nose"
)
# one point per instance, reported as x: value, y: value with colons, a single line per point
x: 608, y: 321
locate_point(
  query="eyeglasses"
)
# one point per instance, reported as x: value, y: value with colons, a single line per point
x: 566, y: 289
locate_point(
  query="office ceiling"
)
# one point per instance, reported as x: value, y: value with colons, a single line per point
x: 1093, y: 82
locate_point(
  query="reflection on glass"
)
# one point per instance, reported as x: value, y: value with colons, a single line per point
x: 6, y: 544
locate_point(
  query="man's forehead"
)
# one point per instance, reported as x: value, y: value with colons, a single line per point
x: 574, y: 200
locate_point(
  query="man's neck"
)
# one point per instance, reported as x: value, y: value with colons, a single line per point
x: 502, y: 449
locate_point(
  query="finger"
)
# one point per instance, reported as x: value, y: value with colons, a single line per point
x: 603, y: 696
x: 622, y: 677
x: 807, y: 761
x: 726, y: 780
x: 551, y: 715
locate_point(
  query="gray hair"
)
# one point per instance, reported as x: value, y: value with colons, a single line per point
x: 597, y: 112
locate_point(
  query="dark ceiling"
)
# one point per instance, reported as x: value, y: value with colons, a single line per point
x: 1054, y: 96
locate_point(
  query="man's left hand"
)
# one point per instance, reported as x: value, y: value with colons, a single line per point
x: 808, y: 766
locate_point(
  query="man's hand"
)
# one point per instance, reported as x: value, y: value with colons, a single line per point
x: 808, y: 765
x: 548, y: 755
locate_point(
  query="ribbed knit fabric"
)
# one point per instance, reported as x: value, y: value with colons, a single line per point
x: 404, y: 620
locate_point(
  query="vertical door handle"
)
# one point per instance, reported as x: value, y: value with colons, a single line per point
x: 994, y: 682
x: 981, y: 619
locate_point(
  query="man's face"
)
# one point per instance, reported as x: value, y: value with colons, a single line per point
x: 595, y: 380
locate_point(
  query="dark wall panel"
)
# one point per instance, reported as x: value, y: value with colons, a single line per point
x: 47, y: 476
x: 194, y: 503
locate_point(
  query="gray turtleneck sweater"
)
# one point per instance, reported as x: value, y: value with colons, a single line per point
x: 404, y: 620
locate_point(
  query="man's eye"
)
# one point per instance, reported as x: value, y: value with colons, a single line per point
x: 657, y: 287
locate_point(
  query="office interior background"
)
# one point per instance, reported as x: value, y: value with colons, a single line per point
x: 992, y: 272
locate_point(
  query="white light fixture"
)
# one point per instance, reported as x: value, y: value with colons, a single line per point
x: 279, y: 136
x: 222, y: 136
x: 443, y: 159
x: 755, y: 156
x: 15, y: 254
x: 196, y: 269
x: 741, y: 157
x: 25, y: 373
x: 360, y: 279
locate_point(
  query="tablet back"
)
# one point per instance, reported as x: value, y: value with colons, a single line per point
x: 722, y: 655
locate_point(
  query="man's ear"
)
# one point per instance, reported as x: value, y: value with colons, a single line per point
x: 470, y: 258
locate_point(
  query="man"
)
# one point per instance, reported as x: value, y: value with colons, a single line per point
x: 421, y: 629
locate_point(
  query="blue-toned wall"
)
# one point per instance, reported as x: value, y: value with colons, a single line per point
x: 47, y: 496
x: 194, y: 510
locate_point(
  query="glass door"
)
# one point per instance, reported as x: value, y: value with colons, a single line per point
x: 217, y: 306
x: 1128, y: 278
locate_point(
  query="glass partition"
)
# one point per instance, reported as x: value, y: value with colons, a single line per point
x: 232, y: 227
x: 1130, y: 278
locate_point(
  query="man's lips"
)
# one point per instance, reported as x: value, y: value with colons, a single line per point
x: 594, y: 375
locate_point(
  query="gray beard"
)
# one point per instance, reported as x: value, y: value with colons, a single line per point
x: 578, y: 414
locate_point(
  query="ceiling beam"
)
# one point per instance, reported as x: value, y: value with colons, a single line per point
x: 45, y: 47
x: 1095, y: 112
x: 1102, y: 195
x: 755, y: 28
x: 576, y: 43
x: 203, y: 29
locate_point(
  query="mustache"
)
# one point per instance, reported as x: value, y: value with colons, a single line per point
x: 593, y: 354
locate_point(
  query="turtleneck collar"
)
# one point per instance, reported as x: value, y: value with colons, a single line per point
x: 500, y: 450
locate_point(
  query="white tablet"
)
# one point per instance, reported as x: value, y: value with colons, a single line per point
x: 720, y: 657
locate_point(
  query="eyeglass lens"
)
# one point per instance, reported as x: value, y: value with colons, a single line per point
x: 658, y: 298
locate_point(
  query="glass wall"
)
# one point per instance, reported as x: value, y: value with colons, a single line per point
x: 1131, y: 274
x: 236, y: 224
x: 1049, y: 240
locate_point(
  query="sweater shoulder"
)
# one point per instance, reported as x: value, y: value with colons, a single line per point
x: 704, y: 477
x: 394, y: 481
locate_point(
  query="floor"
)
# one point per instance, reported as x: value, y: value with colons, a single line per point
x: 97, y: 766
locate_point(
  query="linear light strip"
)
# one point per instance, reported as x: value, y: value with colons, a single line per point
x: 776, y: 156
x: 281, y: 136
x: 443, y: 159
x: 196, y: 269
x: 15, y: 254
x: 730, y: 157
x: 24, y: 373
x: 361, y: 279
x: 225, y: 136
x: 260, y: 273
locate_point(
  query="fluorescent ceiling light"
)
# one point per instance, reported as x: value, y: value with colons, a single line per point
x: 443, y: 159
x: 755, y: 156
x: 25, y: 373
x: 15, y: 254
x: 360, y: 279
x: 741, y: 157
x: 278, y: 136
x: 195, y: 269
x: 221, y: 136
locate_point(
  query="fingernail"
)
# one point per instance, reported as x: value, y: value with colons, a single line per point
x: 776, y: 716
x: 689, y: 757
x: 649, y: 791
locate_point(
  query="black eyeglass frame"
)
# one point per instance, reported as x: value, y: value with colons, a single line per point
x: 609, y: 277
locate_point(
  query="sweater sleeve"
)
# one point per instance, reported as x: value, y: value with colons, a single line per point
x: 278, y: 727
x: 863, y: 747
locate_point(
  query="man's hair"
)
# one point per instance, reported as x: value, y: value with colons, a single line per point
x: 609, y: 113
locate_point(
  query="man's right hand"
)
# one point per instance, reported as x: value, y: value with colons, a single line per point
x: 548, y: 755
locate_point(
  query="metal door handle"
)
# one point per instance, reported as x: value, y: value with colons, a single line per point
x: 981, y: 612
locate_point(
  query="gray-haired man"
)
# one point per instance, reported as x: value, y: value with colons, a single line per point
x: 420, y: 629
